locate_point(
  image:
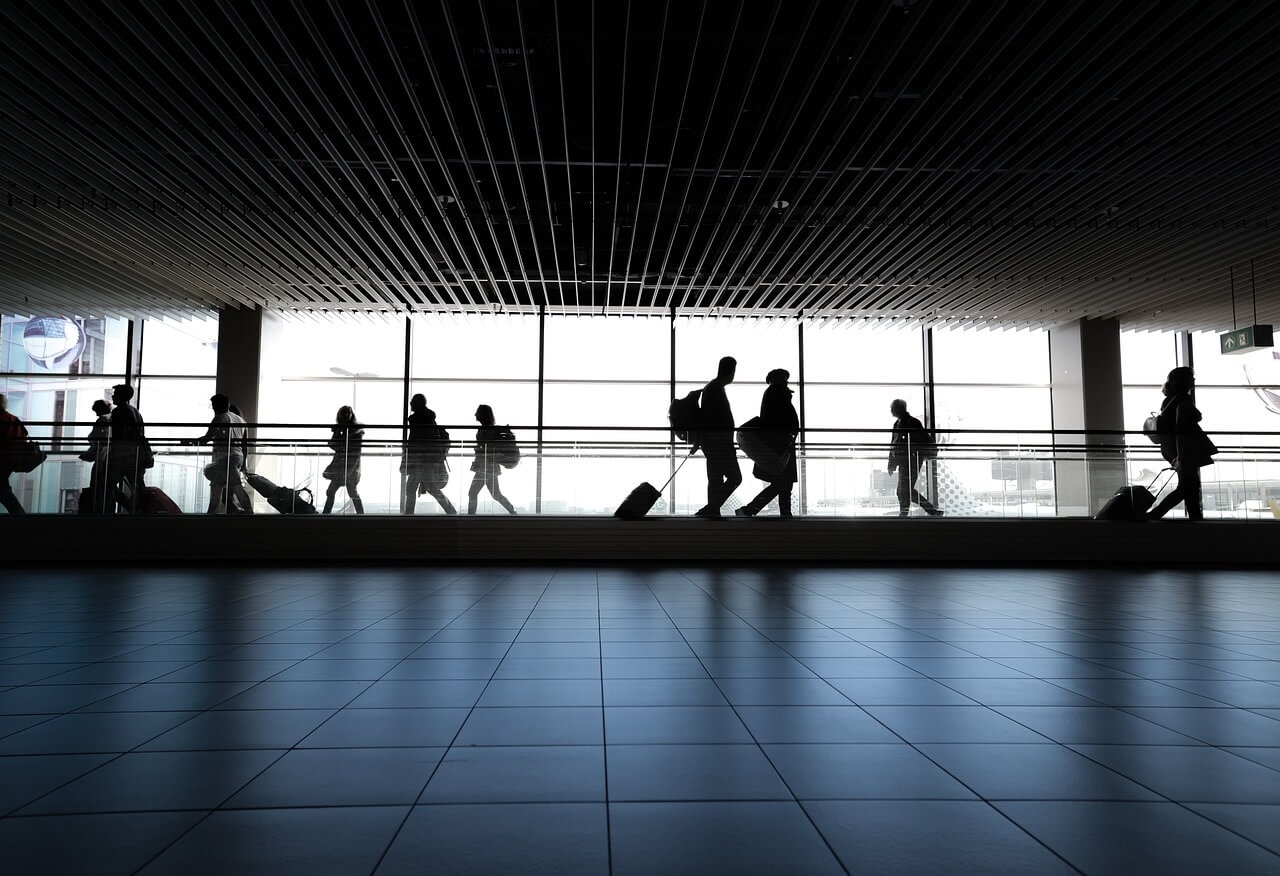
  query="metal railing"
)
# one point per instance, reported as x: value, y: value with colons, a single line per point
x: 588, y: 471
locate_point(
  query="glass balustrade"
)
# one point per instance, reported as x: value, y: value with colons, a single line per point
x: 991, y: 474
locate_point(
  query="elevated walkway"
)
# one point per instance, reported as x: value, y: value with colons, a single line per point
x: 189, y: 539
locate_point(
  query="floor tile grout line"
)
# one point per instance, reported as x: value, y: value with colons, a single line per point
x: 448, y: 748
x: 604, y: 728
x: 1228, y: 706
x: 905, y: 741
x: 759, y: 747
x: 208, y: 813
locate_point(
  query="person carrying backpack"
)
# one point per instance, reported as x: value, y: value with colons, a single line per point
x: 425, y: 462
x: 715, y: 435
x: 910, y: 446
x: 488, y: 462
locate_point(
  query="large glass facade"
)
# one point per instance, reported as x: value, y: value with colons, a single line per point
x: 587, y: 397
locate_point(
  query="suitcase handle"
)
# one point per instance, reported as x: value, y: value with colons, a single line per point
x: 667, y: 482
x: 1155, y: 491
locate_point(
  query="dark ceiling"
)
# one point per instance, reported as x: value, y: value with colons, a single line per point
x: 1019, y: 164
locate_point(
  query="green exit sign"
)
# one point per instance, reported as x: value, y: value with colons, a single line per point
x: 1246, y: 339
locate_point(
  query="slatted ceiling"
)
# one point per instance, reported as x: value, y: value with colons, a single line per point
x: 953, y: 163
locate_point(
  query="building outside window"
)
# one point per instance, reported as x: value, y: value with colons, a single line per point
x: 994, y: 413
x: 52, y: 368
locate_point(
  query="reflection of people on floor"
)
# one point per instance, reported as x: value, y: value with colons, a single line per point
x: 715, y: 435
x: 779, y: 425
x: 908, y: 449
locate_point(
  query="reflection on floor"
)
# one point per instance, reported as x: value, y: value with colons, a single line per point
x: 624, y: 721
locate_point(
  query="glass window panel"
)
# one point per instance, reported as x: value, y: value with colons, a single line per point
x: 1237, y: 409
x: 964, y: 409
x: 858, y: 407
x: 642, y: 407
x: 514, y: 402
x: 478, y: 347
x: 608, y: 348
x: 343, y: 347
x: 847, y: 482
x: 839, y: 353
x: 174, y: 347
x: 1213, y: 367
x: 759, y: 346
x: 63, y: 345
x: 56, y: 400
x: 990, y: 356
x: 174, y: 408
x: 1262, y: 376
x: 319, y: 365
x: 377, y: 403
x: 592, y: 480
x: 1147, y: 357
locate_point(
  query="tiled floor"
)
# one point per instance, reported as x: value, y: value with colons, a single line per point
x: 524, y: 721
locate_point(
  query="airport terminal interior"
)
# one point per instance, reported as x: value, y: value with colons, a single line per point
x: 1017, y: 219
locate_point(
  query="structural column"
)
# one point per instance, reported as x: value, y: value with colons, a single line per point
x: 1088, y: 400
x: 240, y: 346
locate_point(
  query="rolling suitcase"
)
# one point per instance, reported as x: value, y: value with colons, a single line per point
x: 286, y: 500
x: 638, y: 502
x: 1131, y: 502
x: 153, y: 500
x: 641, y: 499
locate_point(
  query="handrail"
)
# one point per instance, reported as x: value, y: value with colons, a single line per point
x: 198, y: 427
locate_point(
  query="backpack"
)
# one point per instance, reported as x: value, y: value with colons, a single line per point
x: 504, y: 448
x: 439, y: 445
x: 684, y: 414
x: 1151, y: 428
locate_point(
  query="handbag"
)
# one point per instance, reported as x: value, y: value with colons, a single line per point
x: 29, y: 457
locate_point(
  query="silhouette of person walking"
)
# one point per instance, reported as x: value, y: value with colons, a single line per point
x: 779, y: 425
x: 13, y: 436
x: 226, y: 434
x: 1183, y: 444
x: 125, y: 458
x: 99, y: 442
x: 425, y: 465
x: 343, y: 470
x: 908, y: 449
x: 715, y: 434
x: 486, y: 465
